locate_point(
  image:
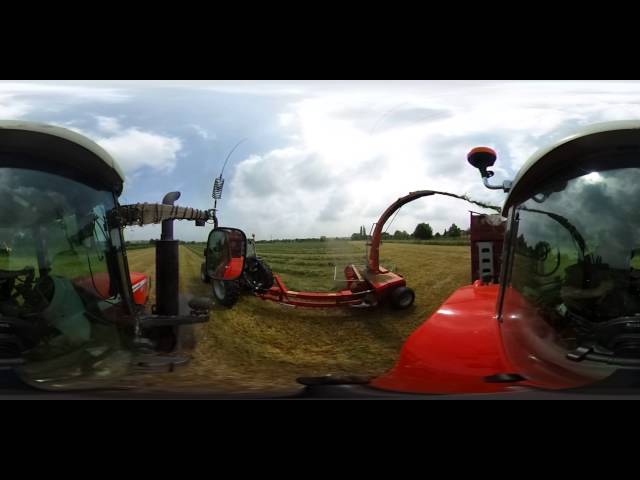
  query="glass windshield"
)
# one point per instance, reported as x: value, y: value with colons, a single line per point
x: 55, y: 288
x: 576, y: 260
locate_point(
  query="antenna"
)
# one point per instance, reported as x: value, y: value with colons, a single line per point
x: 218, y: 183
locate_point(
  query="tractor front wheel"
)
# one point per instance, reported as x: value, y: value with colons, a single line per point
x: 402, y: 297
x: 226, y: 292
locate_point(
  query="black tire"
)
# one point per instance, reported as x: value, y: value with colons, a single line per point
x: 226, y: 292
x: 203, y: 274
x: 257, y: 275
x: 402, y: 297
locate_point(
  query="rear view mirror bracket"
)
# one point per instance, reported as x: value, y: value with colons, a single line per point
x: 482, y: 158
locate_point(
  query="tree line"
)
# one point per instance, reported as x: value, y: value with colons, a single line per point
x: 423, y: 231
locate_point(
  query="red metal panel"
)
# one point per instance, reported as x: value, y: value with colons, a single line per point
x: 280, y: 293
x: 384, y: 280
x: 454, y: 350
x: 100, y: 285
x: 234, y: 268
x: 140, y: 287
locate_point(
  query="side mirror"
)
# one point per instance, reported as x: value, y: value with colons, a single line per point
x: 482, y: 158
x: 225, y: 253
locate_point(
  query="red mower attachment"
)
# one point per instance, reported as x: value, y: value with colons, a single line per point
x: 373, y: 284
x: 281, y: 294
x: 363, y: 290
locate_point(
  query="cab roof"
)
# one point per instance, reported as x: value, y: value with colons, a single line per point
x: 606, y: 136
x: 57, y: 145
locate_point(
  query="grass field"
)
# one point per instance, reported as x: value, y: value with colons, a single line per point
x: 264, y: 345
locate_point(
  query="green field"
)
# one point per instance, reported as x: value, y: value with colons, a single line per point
x: 309, y: 265
x: 262, y: 345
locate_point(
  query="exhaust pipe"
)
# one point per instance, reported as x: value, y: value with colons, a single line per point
x: 167, y: 265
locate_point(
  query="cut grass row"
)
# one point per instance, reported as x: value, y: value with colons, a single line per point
x: 259, y: 345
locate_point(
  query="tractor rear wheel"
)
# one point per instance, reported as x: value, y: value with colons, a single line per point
x: 226, y: 292
x: 402, y: 297
x: 203, y: 274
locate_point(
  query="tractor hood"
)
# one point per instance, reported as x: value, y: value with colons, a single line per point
x: 591, y: 140
x: 60, y: 151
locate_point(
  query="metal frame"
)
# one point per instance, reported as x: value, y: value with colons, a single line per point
x: 281, y: 294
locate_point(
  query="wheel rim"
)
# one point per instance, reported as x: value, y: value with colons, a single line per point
x: 405, y: 300
x: 219, y: 289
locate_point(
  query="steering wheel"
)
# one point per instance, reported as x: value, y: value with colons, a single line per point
x: 21, y: 284
x: 11, y: 280
x: 541, y: 254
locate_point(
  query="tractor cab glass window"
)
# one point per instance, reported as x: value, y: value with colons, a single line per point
x: 55, y: 288
x: 226, y: 251
x: 574, y: 277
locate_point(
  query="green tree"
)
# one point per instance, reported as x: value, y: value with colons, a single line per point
x: 401, y: 235
x: 361, y: 235
x: 454, y: 231
x: 423, y: 231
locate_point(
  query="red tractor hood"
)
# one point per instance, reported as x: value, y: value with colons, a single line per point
x: 454, y: 350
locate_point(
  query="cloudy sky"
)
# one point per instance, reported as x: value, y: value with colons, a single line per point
x: 321, y: 157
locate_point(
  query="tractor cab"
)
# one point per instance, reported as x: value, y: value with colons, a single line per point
x: 569, y: 309
x: 71, y: 313
x: 65, y: 290
x: 566, y: 312
x: 231, y: 264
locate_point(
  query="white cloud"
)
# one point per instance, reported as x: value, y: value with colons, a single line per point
x: 346, y: 150
x: 12, y: 108
x: 70, y: 90
x: 357, y: 147
x: 134, y: 148
x: 286, y: 119
x: 20, y: 99
x: 108, y: 124
x: 202, y: 132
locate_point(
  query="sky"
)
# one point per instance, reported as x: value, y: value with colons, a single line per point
x: 320, y: 157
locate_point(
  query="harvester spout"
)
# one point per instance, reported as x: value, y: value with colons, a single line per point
x: 374, y: 250
x: 373, y: 258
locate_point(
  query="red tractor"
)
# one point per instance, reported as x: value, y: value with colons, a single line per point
x: 366, y: 285
x: 564, y: 313
x: 72, y: 315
